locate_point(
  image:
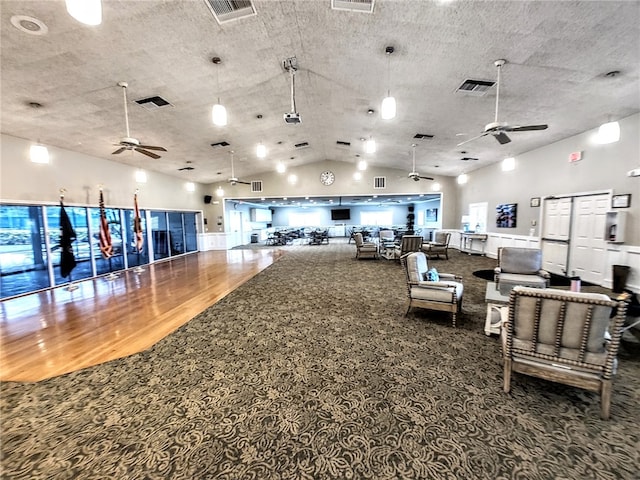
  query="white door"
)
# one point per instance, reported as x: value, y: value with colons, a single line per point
x: 587, y: 258
x: 556, y: 234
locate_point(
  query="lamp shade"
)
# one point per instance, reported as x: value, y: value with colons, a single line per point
x: 219, y: 115
x: 609, y: 132
x: 88, y: 12
x: 39, y: 154
x: 388, y: 108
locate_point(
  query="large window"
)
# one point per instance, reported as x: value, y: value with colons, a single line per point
x: 379, y: 218
x: 23, y: 252
x: 304, y: 219
x: 30, y: 243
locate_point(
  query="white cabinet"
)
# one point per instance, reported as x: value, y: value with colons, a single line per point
x: 615, y: 227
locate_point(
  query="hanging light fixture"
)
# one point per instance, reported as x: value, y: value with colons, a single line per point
x: 370, y: 146
x: 219, y: 192
x: 88, y: 12
x: 39, y: 154
x: 281, y: 168
x: 362, y: 165
x: 388, y: 107
x: 608, y: 133
x: 218, y: 112
x: 261, y: 150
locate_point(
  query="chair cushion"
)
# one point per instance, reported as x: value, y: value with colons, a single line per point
x: 525, y: 261
x: 510, y: 280
x: 416, y: 266
x: 437, y: 294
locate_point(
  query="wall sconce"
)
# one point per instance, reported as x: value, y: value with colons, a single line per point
x: 608, y: 133
x: 508, y: 164
x: 190, y: 186
x: 462, y: 179
x: 39, y: 154
x: 436, y: 187
x: 219, y: 192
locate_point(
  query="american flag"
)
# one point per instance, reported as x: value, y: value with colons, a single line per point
x: 105, y: 236
x: 67, y: 236
x: 137, y: 224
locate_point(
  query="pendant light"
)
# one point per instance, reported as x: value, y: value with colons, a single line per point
x: 39, y: 154
x: 370, y: 146
x: 88, y: 12
x: 218, y: 112
x: 388, y: 107
x: 261, y: 150
x: 608, y: 133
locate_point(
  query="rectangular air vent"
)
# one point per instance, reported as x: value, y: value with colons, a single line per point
x: 365, y: 6
x: 475, y: 88
x: 220, y: 144
x: 229, y: 10
x: 302, y: 145
x: 153, y: 103
x: 256, y: 186
x: 343, y: 144
x: 423, y: 136
x: 379, y: 182
x: 466, y: 159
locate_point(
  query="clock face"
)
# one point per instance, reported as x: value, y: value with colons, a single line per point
x: 327, y: 178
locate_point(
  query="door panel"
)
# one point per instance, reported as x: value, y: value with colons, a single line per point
x: 588, y: 253
x: 556, y: 231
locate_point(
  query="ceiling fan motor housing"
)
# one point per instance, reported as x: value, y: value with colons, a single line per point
x: 130, y: 141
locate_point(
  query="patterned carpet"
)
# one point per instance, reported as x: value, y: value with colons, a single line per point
x: 311, y: 371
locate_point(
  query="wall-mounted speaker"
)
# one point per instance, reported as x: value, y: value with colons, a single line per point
x: 207, y: 198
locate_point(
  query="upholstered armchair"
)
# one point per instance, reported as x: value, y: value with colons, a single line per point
x: 408, y: 243
x: 438, y: 246
x: 364, y: 249
x: 386, y: 239
x: 445, y: 294
x: 564, y: 337
x: 520, y: 266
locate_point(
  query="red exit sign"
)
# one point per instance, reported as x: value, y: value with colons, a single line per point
x: 575, y: 157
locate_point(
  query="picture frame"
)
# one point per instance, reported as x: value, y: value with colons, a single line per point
x: 621, y: 201
x: 431, y: 215
x: 507, y: 215
x: 534, y: 202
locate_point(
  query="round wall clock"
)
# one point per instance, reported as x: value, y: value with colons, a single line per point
x: 327, y: 178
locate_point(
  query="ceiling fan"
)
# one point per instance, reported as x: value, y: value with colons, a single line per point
x: 233, y: 180
x: 130, y: 143
x: 415, y: 175
x: 499, y: 129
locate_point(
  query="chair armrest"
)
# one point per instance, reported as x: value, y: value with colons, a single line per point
x: 433, y: 285
x: 544, y: 274
x: 497, y: 270
x: 451, y: 277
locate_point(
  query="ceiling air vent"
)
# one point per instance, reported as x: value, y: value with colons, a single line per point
x: 220, y: 144
x: 185, y: 168
x: 466, y: 159
x: 302, y: 145
x: 379, y: 182
x: 256, y: 186
x: 343, y: 144
x: 229, y: 10
x: 153, y: 103
x: 423, y: 136
x: 353, y: 5
x: 475, y: 88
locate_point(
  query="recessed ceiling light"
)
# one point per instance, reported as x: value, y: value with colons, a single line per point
x: 29, y: 25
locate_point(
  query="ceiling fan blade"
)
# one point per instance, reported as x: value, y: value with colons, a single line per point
x: 501, y: 137
x: 526, y: 128
x: 426, y: 178
x: 151, y: 147
x: 147, y: 153
x: 474, y: 138
x: 120, y: 150
x: 245, y: 183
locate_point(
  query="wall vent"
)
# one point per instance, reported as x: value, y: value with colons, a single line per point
x: 343, y: 144
x: 365, y: 6
x: 423, y: 136
x: 475, y: 88
x: 153, y: 103
x: 220, y: 144
x: 379, y: 182
x: 256, y: 186
x: 228, y: 10
x: 302, y: 145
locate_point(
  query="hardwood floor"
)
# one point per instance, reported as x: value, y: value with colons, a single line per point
x: 59, y: 331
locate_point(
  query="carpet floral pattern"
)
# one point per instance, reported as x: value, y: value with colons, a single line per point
x: 311, y: 371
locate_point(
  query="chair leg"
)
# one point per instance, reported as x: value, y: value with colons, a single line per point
x: 507, y: 375
x: 453, y: 319
x: 605, y: 399
x: 408, y: 309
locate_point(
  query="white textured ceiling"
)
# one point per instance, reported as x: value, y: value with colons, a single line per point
x: 557, y: 53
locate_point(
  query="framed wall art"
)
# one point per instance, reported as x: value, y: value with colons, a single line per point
x: 507, y: 215
x: 621, y: 201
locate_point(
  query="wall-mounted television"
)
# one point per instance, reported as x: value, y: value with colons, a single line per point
x: 260, y: 215
x: 341, y: 214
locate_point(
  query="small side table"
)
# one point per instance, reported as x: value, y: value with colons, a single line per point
x: 497, y: 309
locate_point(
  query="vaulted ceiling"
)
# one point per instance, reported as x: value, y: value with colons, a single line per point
x: 560, y: 58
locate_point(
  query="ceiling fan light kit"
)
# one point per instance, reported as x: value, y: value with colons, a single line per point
x: 88, y: 12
